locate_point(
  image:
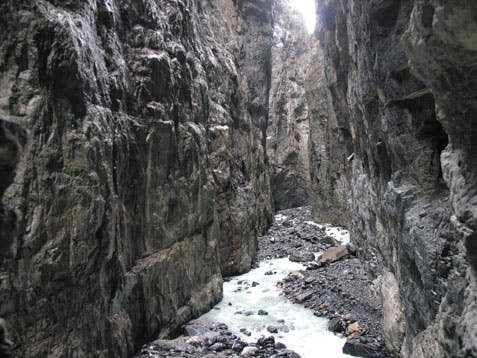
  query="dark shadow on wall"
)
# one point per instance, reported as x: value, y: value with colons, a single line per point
x: 13, y: 138
x: 289, y: 191
x: 288, y: 184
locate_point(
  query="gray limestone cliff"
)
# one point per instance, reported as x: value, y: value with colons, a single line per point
x: 132, y: 162
x: 330, y: 146
x: 288, y: 128
x: 397, y: 89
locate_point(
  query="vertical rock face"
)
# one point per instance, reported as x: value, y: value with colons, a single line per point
x: 245, y: 200
x: 330, y: 144
x: 133, y: 170
x: 12, y: 141
x: 288, y: 130
x: 402, y: 74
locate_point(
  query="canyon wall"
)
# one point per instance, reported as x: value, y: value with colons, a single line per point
x: 132, y: 162
x: 330, y: 145
x: 288, y: 128
x: 398, y: 83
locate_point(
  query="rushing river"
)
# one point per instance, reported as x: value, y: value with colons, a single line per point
x: 297, y: 327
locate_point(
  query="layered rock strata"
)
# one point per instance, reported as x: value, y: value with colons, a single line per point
x: 400, y: 75
x: 288, y: 129
x: 132, y: 147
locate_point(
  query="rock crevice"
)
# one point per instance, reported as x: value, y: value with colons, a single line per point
x: 288, y: 130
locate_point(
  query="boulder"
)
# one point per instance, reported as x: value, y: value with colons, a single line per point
x: 197, y: 328
x: 218, y: 347
x: 266, y: 341
x: 333, y: 254
x: 286, y: 353
x: 353, y: 327
x: 249, y: 352
x: 357, y: 349
x: 272, y: 329
x: 238, y: 346
x: 294, y: 276
x: 336, y: 325
x: 301, y: 256
x: 302, y: 297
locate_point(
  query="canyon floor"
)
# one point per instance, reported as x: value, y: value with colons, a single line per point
x: 339, y: 290
x: 336, y: 289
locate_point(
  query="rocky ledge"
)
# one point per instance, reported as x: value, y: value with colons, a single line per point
x: 336, y: 287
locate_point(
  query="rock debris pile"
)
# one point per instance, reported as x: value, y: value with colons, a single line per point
x: 334, y: 286
x: 203, y: 338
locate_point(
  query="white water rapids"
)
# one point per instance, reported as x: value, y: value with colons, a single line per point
x: 297, y: 327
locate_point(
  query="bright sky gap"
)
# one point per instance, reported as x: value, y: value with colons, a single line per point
x: 307, y: 9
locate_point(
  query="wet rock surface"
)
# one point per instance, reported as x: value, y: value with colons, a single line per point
x: 5, y: 344
x: 391, y: 159
x: 132, y: 162
x: 339, y: 290
x: 211, y: 339
x: 288, y: 126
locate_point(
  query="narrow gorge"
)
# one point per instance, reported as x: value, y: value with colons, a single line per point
x: 146, y: 146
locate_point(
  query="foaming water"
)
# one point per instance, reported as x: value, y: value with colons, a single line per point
x: 340, y: 234
x: 297, y: 327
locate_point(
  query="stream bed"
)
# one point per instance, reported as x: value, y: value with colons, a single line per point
x: 253, y: 306
x: 282, y: 308
x: 296, y: 326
